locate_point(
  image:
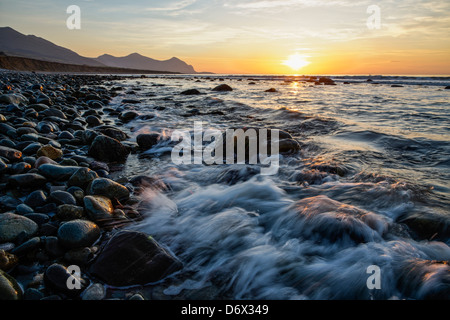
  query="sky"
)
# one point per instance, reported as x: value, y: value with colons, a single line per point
x: 252, y: 36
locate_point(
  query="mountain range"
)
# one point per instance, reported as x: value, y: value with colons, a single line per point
x: 14, y: 43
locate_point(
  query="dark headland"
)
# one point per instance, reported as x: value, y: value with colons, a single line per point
x: 28, y: 64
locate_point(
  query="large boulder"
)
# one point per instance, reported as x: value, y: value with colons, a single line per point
x: 147, y: 140
x: 325, y: 220
x: 223, y: 88
x: 107, y: 149
x: 133, y: 258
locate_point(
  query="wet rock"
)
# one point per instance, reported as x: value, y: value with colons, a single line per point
x: 114, y: 133
x: 36, y: 199
x: 95, y: 292
x: 108, y: 188
x: 98, y: 207
x: 7, y: 143
x: 48, y: 229
x: 29, y: 159
x: 148, y: 182
x: 50, y: 152
x: 5, y: 128
x: 38, y: 107
x: 47, y: 208
x: 9, y: 288
x: 32, y: 148
x: 43, y: 160
x: 56, y: 277
x: 39, y: 218
x: 10, y: 153
x: 26, y: 247
x: 77, y: 192
x: 78, y: 233
x: 13, y: 98
x: 20, y: 167
x: 325, y: 220
x: 191, y: 92
x: 56, y: 172
x: 44, y: 99
x: 427, y: 225
x: 79, y: 256
x: 128, y: 116
x: 31, y: 137
x: 45, y: 127
x: 98, y: 165
x: 82, y: 177
x: 147, y: 140
x: 223, y: 88
x: 9, y: 203
x: 422, y: 279
x: 65, y: 135
x: 289, y: 146
x: 131, y: 101
x: 23, y: 209
x: 62, y: 197
x: 68, y: 163
x: 271, y: 90
x: 107, y: 149
x: 12, y: 226
x: 133, y: 258
x: 54, y: 113
x: 326, y: 80
x: 53, y: 247
x: 88, y: 136
x: 94, y: 121
x: 27, y: 180
x: 24, y: 130
x: 68, y: 212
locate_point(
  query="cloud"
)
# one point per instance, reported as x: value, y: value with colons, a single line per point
x: 172, y: 6
x: 270, y: 4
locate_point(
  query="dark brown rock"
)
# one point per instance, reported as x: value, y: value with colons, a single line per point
x: 133, y: 258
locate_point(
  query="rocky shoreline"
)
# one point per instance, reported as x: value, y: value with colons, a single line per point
x: 60, y: 141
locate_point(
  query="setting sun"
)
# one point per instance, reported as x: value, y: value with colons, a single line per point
x: 296, y: 62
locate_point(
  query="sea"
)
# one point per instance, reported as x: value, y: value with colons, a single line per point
x: 360, y: 211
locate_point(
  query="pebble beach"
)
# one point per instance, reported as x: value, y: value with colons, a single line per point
x: 92, y: 207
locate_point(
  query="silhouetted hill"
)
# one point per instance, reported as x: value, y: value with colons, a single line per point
x: 27, y: 64
x: 14, y: 43
x: 137, y: 61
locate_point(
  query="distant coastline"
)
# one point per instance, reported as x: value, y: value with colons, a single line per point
x: 15, y: 63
